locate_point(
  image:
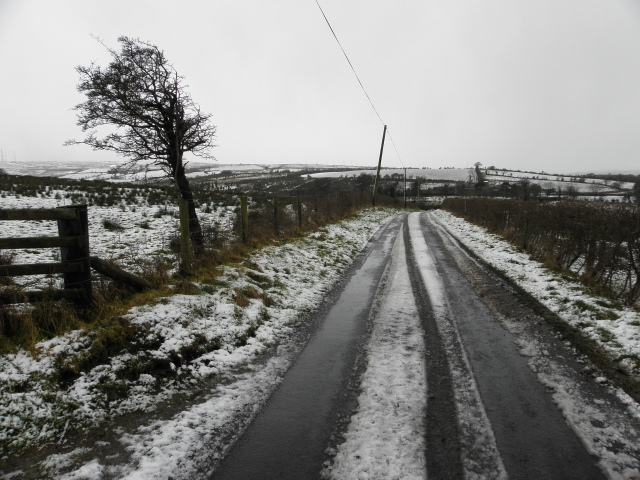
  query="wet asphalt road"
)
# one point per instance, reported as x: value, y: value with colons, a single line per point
x: 531, y: 434
x: 460, y: 305
x: 288, y: 438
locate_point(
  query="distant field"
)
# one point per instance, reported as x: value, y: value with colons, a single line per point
x: 546, y: 181
x: 267, y: 177
x: 116, y: 173
x: 451, y: 174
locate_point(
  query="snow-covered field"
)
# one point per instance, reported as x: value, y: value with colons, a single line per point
x: 508, y: 175
x: 555, y: 182
x: 127, y: 234
x: 448, y: 174
x: 113, y: 171
x: 564, y: 183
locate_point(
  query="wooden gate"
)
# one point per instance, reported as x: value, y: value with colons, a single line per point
x: 74, y: 265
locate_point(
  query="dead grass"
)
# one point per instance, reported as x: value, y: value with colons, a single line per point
x: 23, y: 325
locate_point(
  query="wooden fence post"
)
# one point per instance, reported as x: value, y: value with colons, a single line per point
x: 299, y: 212
x: 244, y: 219
x: 79, y: 254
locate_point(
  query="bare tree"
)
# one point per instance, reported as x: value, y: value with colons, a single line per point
x: 571, y: 191
x: 141, y: 94
x: 479, y: 178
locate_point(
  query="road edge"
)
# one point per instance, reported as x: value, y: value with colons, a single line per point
x: 604, y: 361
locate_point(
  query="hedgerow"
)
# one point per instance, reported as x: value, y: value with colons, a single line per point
x: 598, y: 242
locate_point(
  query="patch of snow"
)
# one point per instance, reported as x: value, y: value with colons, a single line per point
x: 141, y: 233
x: 480, y: 455
x: 175, y: 447
x: 386, y: 437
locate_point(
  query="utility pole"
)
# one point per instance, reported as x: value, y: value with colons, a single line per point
x: 405, y: 187
x: 375, y: 187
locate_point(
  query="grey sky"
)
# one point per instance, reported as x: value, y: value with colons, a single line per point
x: 548, y: 85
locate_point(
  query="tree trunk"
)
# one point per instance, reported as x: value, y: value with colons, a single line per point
x: 197, y: 238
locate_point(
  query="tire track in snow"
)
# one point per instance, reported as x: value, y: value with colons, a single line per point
x: 479, y: 453
x: 385, y: 439
x: 388, y: 436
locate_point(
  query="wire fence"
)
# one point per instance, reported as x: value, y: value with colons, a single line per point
x: 268, y: 217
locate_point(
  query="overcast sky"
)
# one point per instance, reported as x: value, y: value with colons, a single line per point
x: 549, y: 85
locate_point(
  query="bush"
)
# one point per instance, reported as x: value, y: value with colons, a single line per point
x: 110, y: 224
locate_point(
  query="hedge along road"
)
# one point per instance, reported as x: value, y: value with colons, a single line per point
x: 426, y: 364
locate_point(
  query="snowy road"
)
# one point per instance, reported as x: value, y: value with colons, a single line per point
x: 429, y: 365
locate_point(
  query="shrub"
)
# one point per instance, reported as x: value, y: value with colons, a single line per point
x: 110, y: 224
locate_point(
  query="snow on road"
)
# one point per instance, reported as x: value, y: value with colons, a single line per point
x: 614, y: 328
x: 479, y: 451
x: 385, y: 438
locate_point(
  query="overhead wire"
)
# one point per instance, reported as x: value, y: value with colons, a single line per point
x: 359, y: 81
x: 395, y: 148
x: 349, y: 61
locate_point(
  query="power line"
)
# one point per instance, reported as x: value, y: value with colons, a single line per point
x: 359, y: 81
x: 350, y: 64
